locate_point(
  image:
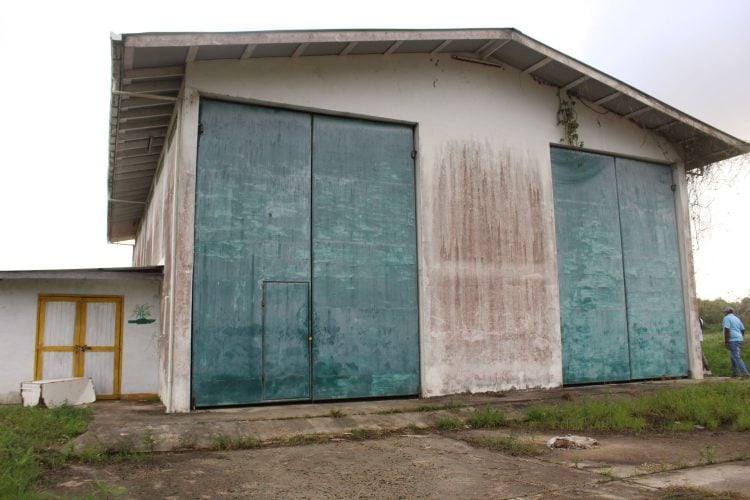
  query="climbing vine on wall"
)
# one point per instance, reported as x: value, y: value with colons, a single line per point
x: 568, y: 119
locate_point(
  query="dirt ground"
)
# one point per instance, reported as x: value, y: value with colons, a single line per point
x: 436, y: 465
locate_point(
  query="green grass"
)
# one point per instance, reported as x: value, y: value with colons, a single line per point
x: 27, y: 439
x: 363, y: 434
x: 450, y: 405
x: 448, y: 423
x: 713, y: 405
x: 235, y: 443
x: 305, y: 439
x: 486, y: 419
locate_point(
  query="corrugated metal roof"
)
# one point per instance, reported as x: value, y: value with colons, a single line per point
x: 148, y: 71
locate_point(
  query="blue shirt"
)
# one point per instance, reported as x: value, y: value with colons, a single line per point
x: 735, y: 326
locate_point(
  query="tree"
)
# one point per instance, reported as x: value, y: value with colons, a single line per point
x: 712, y: 311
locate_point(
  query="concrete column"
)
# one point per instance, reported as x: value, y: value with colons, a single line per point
x: 684, y: 243
x: 179, y: 377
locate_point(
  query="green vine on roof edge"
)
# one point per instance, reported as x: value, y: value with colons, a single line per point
x: 568, y: 118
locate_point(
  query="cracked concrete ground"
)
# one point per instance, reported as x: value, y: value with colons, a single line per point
x: 413, y: 460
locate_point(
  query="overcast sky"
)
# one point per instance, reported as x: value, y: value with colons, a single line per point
x: 55, y: 81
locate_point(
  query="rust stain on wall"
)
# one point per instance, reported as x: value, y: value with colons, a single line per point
x: 490, y: 268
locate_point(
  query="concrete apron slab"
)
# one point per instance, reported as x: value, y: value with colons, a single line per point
x: 425, y: 466
x: 144, y: 426
x: 734, y: 476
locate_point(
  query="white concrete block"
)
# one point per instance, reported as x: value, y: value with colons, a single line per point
x: 57, y: 392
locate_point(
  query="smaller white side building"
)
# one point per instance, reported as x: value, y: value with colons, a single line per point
x: 98, y: 323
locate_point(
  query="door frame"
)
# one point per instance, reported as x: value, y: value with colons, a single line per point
x: 79, y: 337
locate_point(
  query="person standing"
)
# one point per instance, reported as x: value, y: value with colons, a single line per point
x: 734, y: 335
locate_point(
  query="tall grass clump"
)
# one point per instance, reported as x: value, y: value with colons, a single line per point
x: 711, y: 405
x: 486, y: 419
x: 591, y: 414
x: 27, y: 436
x: 448, y: 423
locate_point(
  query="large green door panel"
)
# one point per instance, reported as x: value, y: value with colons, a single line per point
x: 364, y: 260
x: 286, y: 356
x: 252, y: 223
x: 656, y: 322
x: 590, y: 272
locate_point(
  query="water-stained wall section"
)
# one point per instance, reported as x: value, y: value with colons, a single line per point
x: 489, y: 286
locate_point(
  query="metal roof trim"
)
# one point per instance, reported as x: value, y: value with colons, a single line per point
x: 629, y: 91
x: 133, y: 273
x: 189, y: 39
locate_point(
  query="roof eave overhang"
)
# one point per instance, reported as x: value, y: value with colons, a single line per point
x: 148, y: 69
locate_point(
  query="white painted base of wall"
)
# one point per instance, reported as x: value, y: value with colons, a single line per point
x: 57, y: 392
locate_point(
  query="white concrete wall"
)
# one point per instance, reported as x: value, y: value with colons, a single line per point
x: 489, y: 311
x: 18, y: 326
x: 164, y: 239
x: 152, y: 240
x: 153, y: 247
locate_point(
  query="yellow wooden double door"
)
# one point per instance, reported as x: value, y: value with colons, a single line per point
x: 80, y: 336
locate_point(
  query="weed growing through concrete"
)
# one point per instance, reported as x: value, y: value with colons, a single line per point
x: 336, y: 413
x: 487, y: 418
x: 448, y: 423
x: 506, y: 444
x: 664, y: 467
x: 303, y: 439
x: 123, y: 451
x: 222, y: 442
x: 362, y: 434
x: 708, y: 455
x: 148, y: 441
x: 105, y: 490
x: 449, y: 405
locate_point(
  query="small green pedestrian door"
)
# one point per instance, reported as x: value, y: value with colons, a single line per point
x: 286, y: 341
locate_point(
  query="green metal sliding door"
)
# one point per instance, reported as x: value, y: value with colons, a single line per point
x: 252, y: 224
x: 592, y: 293
x: 364, y: 260
x: 656, y: 321
x: 305, y: 281
x: 621, y: 308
